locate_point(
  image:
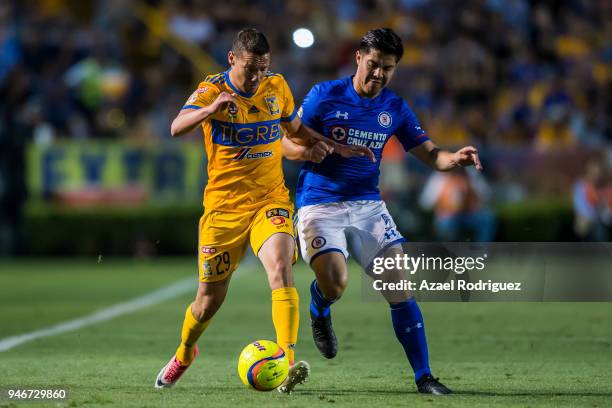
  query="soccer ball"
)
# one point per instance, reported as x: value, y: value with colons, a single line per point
x: 262, y: 365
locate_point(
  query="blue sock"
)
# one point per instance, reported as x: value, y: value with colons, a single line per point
x: 410, y: 331
x: 319, y: 305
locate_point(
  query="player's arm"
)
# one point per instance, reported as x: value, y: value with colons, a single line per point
x: 303, y: 135
x: 315, y: 153
x: 188, y: 119
x: 443, y: 160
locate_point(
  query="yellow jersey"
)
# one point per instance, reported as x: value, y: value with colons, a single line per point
x: 243, y: 143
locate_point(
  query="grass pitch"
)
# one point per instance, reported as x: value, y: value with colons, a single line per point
x: 491, y: 354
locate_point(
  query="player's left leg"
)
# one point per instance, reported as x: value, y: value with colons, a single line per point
x: 377, y: 236
x: 409, y: 329
x: 273, y: 241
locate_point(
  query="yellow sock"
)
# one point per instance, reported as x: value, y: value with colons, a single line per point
x: 192, y: 329
x: 286, y: 318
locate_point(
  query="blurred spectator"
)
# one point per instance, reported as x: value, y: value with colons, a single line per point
x: 192, y: 23
x: 9, y: 45
x: 15, y: 132
x: 593, y: 204
x: 458, y: 200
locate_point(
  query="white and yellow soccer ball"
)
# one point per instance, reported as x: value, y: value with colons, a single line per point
x: 262, y: 365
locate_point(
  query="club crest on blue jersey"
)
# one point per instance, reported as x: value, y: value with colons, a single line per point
x: 272, y: 105
x: 385, y: 119
x: 318, y: 242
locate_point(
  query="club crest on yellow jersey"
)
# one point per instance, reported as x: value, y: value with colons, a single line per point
x: 272, y: 105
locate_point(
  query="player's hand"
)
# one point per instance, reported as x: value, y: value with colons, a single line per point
x: 354, y: 151
x: 319, y: 151
x: 223, y: 101
x: 468, y: 156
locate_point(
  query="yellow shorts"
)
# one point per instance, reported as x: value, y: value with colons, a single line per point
x: 223, y: 237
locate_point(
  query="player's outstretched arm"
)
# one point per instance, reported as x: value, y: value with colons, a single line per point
x: 315, y: 153
x: 189, y: 119
x: 443, y: 160
x: 303, y: 135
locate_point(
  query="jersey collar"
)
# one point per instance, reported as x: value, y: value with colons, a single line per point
x: 229, y: 83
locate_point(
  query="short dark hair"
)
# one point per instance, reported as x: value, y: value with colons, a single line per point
x: 250, y: 40
x: 383, y: 40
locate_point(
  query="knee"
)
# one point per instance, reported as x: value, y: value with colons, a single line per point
x: 279, y: 274
x: 397, y: 297
x: 335, y: 288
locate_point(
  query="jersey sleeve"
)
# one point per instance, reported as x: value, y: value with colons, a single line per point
x: 288, y: 110
x: 309, y: 111
x: 410, y: 133
x: 204, y: 95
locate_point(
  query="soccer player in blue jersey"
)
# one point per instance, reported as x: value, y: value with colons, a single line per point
x: 339, y: 199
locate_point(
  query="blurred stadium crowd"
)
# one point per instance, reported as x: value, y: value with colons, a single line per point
x: 492, y: 72
x: 517, y: 78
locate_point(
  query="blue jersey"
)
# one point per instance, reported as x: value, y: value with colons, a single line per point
x: 335, y: 110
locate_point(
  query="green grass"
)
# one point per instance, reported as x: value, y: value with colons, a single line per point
x: 492, y: 354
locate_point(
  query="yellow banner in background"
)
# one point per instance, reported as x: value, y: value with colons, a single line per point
x: 168, y: 173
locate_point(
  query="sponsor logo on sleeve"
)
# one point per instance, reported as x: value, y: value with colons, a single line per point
x: 194, y: 95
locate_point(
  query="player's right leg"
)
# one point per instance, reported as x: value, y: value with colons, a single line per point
x: 198, y: 315
x: 324, y: 248
x: 221, y: 246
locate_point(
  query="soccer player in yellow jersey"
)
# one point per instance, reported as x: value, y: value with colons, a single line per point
x: 244, y: 113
